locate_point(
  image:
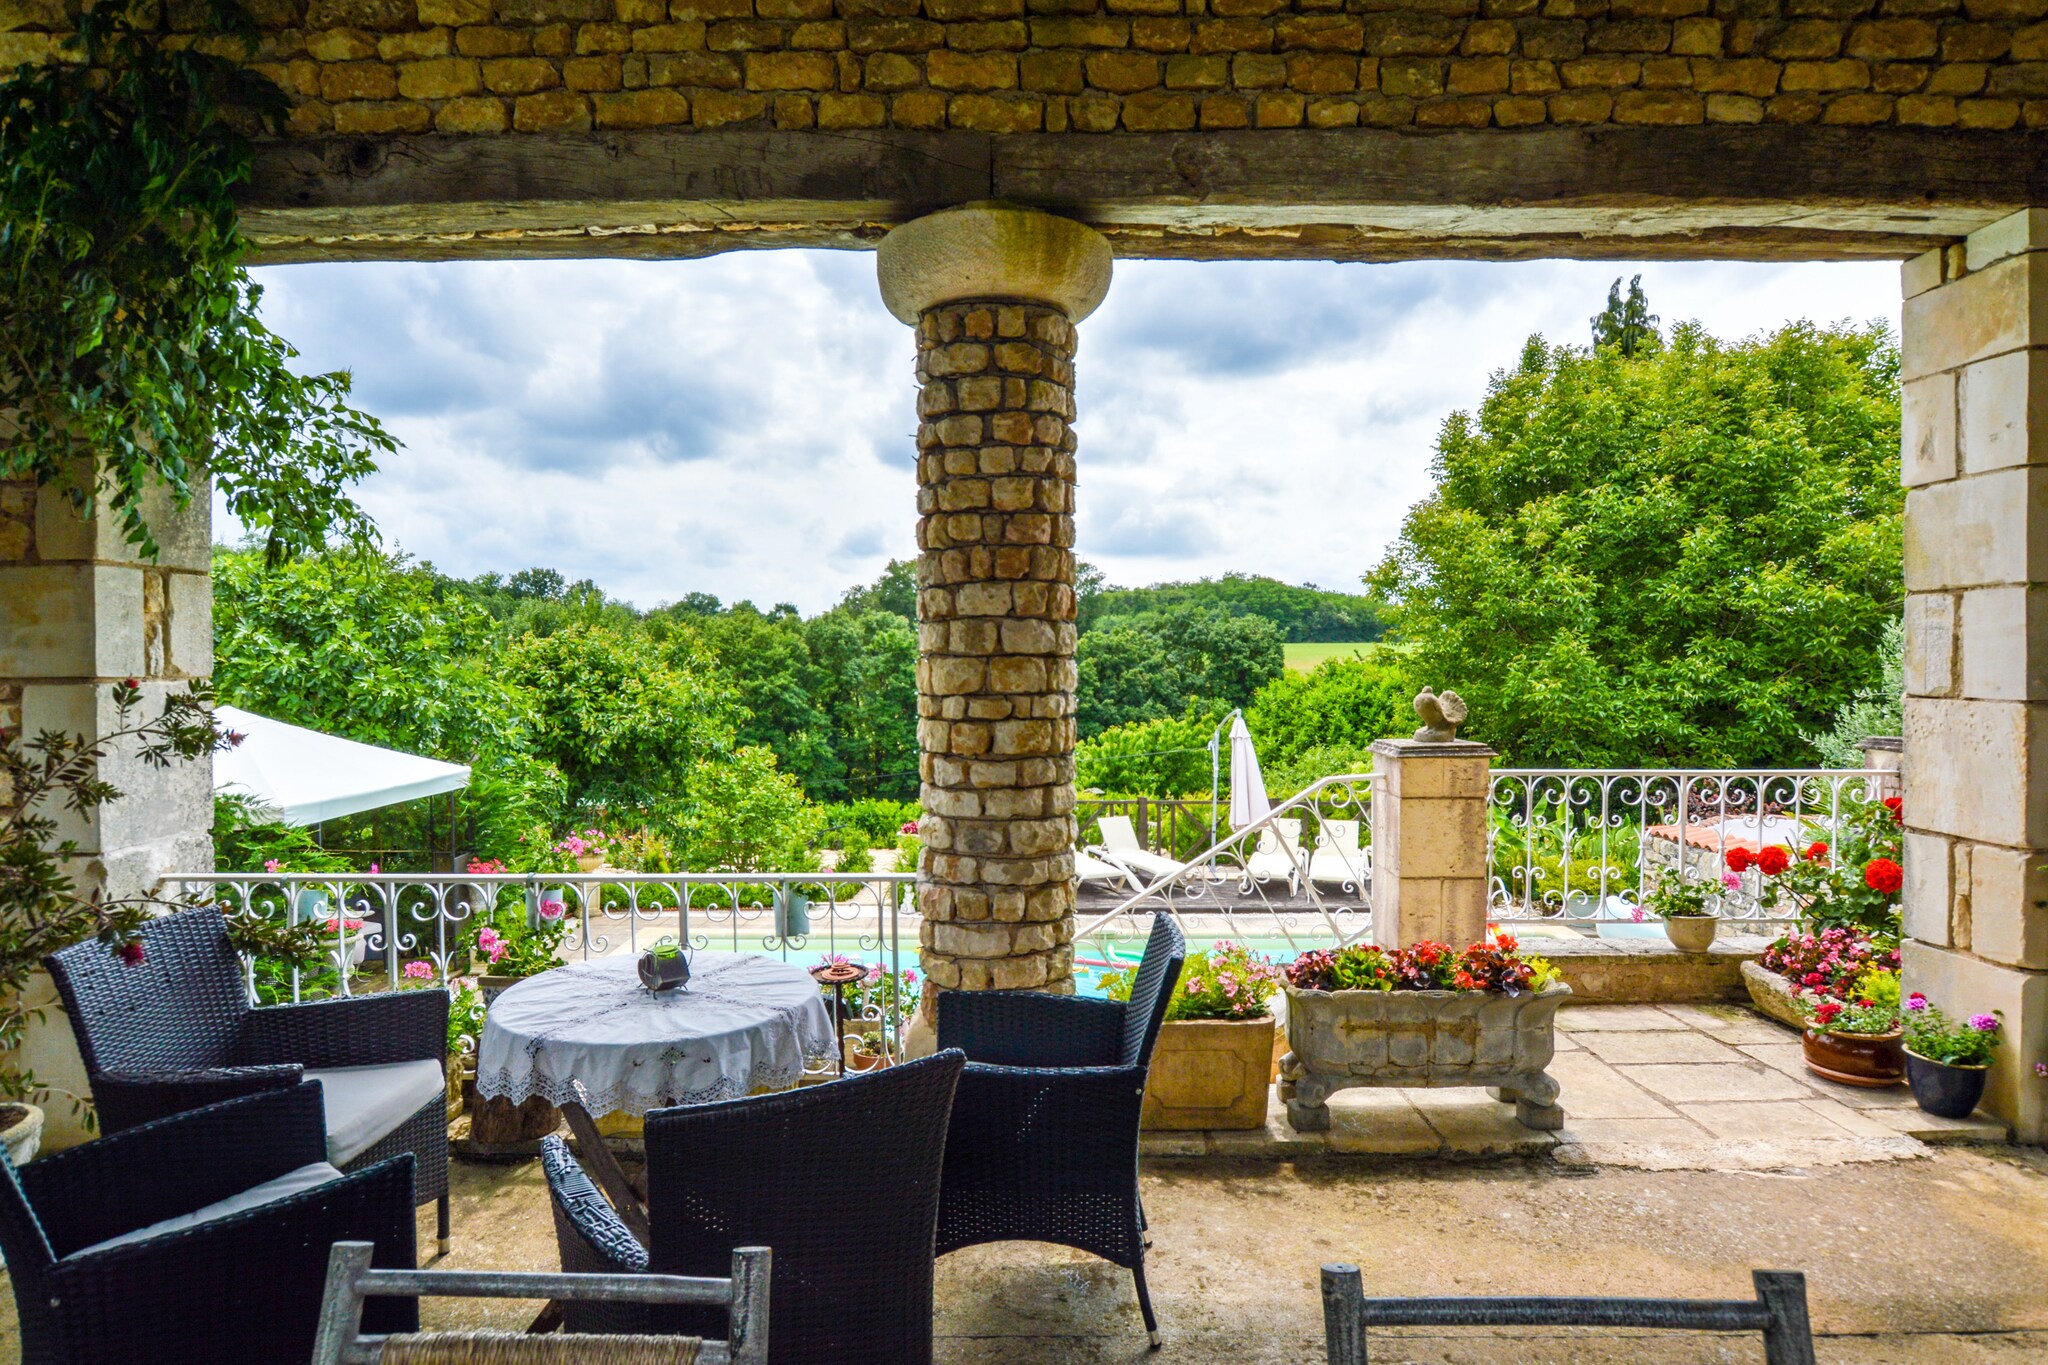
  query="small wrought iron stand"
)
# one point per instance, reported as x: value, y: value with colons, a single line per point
x: 839, y: 975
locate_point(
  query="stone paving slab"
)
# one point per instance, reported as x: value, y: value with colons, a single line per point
x: 1707, y: 1087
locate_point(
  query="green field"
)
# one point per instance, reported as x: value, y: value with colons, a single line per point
x: 1303, y: 657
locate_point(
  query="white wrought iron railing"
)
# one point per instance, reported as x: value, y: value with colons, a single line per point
x: 379, y: 925
x: 1298, y: 877
x: 1585, y: 845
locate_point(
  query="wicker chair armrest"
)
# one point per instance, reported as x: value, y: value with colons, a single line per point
x: 1076, y: 1125
x: 126, y: 1099
x: 591, y: 1235
x: 1031, y: 1029
x: 173, y: 1165
x: 254, y: 1279
x: 362, y: 1030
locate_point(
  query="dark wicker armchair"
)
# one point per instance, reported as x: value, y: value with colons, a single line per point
x: 1044, y: 1146
x: 198, y: 1238
x: 176, y: 1031
x: 840, y: 1180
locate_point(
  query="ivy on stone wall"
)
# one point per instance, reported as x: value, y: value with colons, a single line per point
x: 131, y: 354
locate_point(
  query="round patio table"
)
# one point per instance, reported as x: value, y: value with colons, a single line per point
x: 589, y: 1034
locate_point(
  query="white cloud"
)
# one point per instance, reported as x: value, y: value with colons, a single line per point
x: 743, y: 425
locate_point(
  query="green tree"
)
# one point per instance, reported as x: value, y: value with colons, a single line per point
x: 894, y: 591
x: 1687, y: 556
x: 1877, y: 710
x: 1628, y: 325
x: 623, y: 716
x: 749, y: 817
x: 1343, y: 705
x: 365, y: 645
x: 870, y: 660
x: 1300, y: 613
x: 768, y: 663
x: 1157, y: 665
x: 1166, y: 756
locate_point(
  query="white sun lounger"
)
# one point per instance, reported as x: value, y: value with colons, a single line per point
x: 1338, y: 860
x: 1104, y: 875
x: 1120, y: 846
x: 1277, y: 856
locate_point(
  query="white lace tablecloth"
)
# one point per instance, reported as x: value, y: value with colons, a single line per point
x: 591, y: 1033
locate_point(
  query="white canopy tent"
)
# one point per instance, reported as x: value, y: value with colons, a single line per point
x: 313, y: 777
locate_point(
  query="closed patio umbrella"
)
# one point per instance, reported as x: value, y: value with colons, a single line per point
x: 1247, y: 784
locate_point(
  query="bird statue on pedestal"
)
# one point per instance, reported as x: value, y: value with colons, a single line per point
x: 1442, y: 713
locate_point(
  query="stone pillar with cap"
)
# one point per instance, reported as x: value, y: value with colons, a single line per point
x: 994, y: 291
x: 1429, y: 841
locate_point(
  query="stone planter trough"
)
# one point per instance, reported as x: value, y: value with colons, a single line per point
x: 1772, y: 996
x: 1209, y: 1073
x: 1340, y: 1039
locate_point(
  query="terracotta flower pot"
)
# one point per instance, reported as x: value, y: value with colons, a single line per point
x: 1691, y: 933
x: 1872, y: 1060
x: 1942, y: 1089
x: 858, y: 1058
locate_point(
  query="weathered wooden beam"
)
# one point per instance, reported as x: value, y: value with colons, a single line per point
x: 1782, y: 192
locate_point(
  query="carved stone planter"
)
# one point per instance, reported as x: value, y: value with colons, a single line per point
x: 1209, y: 1073
x: 1339, y: 1039
x: 1773, y: 997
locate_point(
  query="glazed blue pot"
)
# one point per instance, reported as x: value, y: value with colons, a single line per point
x: 1948, y: 1092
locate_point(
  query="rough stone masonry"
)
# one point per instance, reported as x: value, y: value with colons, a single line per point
x: 995, y: 673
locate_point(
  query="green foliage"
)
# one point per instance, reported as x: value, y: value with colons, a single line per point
x: 1677, y: 896
x: 1540, y: 858
x: 1229, y: 981
x: 366, y: 645
x: 1856, y: 884
x: 1952, y: 1042
x: 1685, y: 557
x: 1165, y: 757
x: 749, y: 817
x: 1342, y: 704
x: 1876, y: 710
x: 1299, y: 613
x: 1163, y: 663
x: 893, y: 592
x: 626, y: 719
x: 248, y: 835
x: 131, y: 355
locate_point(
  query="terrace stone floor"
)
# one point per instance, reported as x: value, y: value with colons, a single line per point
x: 1694, y: 1154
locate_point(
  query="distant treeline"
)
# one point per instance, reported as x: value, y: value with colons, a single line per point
x: 1299, y: 613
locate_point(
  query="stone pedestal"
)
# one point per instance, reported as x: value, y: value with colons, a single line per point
x: 1975, y: 777
x: 994, y: 292
x: 1429, y: 841
x: 1885, y: 757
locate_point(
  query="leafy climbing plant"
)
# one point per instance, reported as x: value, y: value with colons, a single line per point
x: 131, y: 354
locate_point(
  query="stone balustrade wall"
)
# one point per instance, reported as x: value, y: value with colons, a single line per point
x: 1101, y: 66
x: 995, y: 672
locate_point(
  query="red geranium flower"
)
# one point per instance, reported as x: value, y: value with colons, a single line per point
x: 1773, y: 860
x: 1827, y: 1011
x: 1884, y: 875
x: 1895, y: 805
x: 1740, y: 860
x: 1815, y: 851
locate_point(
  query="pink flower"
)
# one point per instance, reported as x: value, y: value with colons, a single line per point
x: 131, y: 953
x: 1984, y: 1023
x: 492, y: 943
x: 909, y: 977
x: 374, y: 869
x: 1731, y: 881
x: 419, y: 971
x: 270, y: 865
x: 1916, y: 1002
x: 552, y: 909
x: 909, y: 827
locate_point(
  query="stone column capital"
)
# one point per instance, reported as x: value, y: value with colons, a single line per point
x: 993, y: 251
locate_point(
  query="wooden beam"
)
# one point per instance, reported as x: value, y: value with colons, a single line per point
x: 1778, y: 192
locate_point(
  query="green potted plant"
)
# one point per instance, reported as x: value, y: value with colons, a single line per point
x: 1946, y: 1059
x: 866, y: 1052
x: 1685, y: 905
x: 1214, y: 1058
x: 1856, y: 1040
x: 1428, y: 1015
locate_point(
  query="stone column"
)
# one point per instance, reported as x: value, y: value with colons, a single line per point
x: 80, y: 612
x: 1429, y: 841
x: 994, y: 292
x: 1975, y: 779
x: 1884, y: 756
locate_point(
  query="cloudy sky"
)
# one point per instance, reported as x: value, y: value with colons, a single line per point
x: 744, y: 425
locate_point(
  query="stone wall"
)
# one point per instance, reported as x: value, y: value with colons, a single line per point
x: 1975, y: 463
x: 995, y: 672
x: 1099, y: 66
